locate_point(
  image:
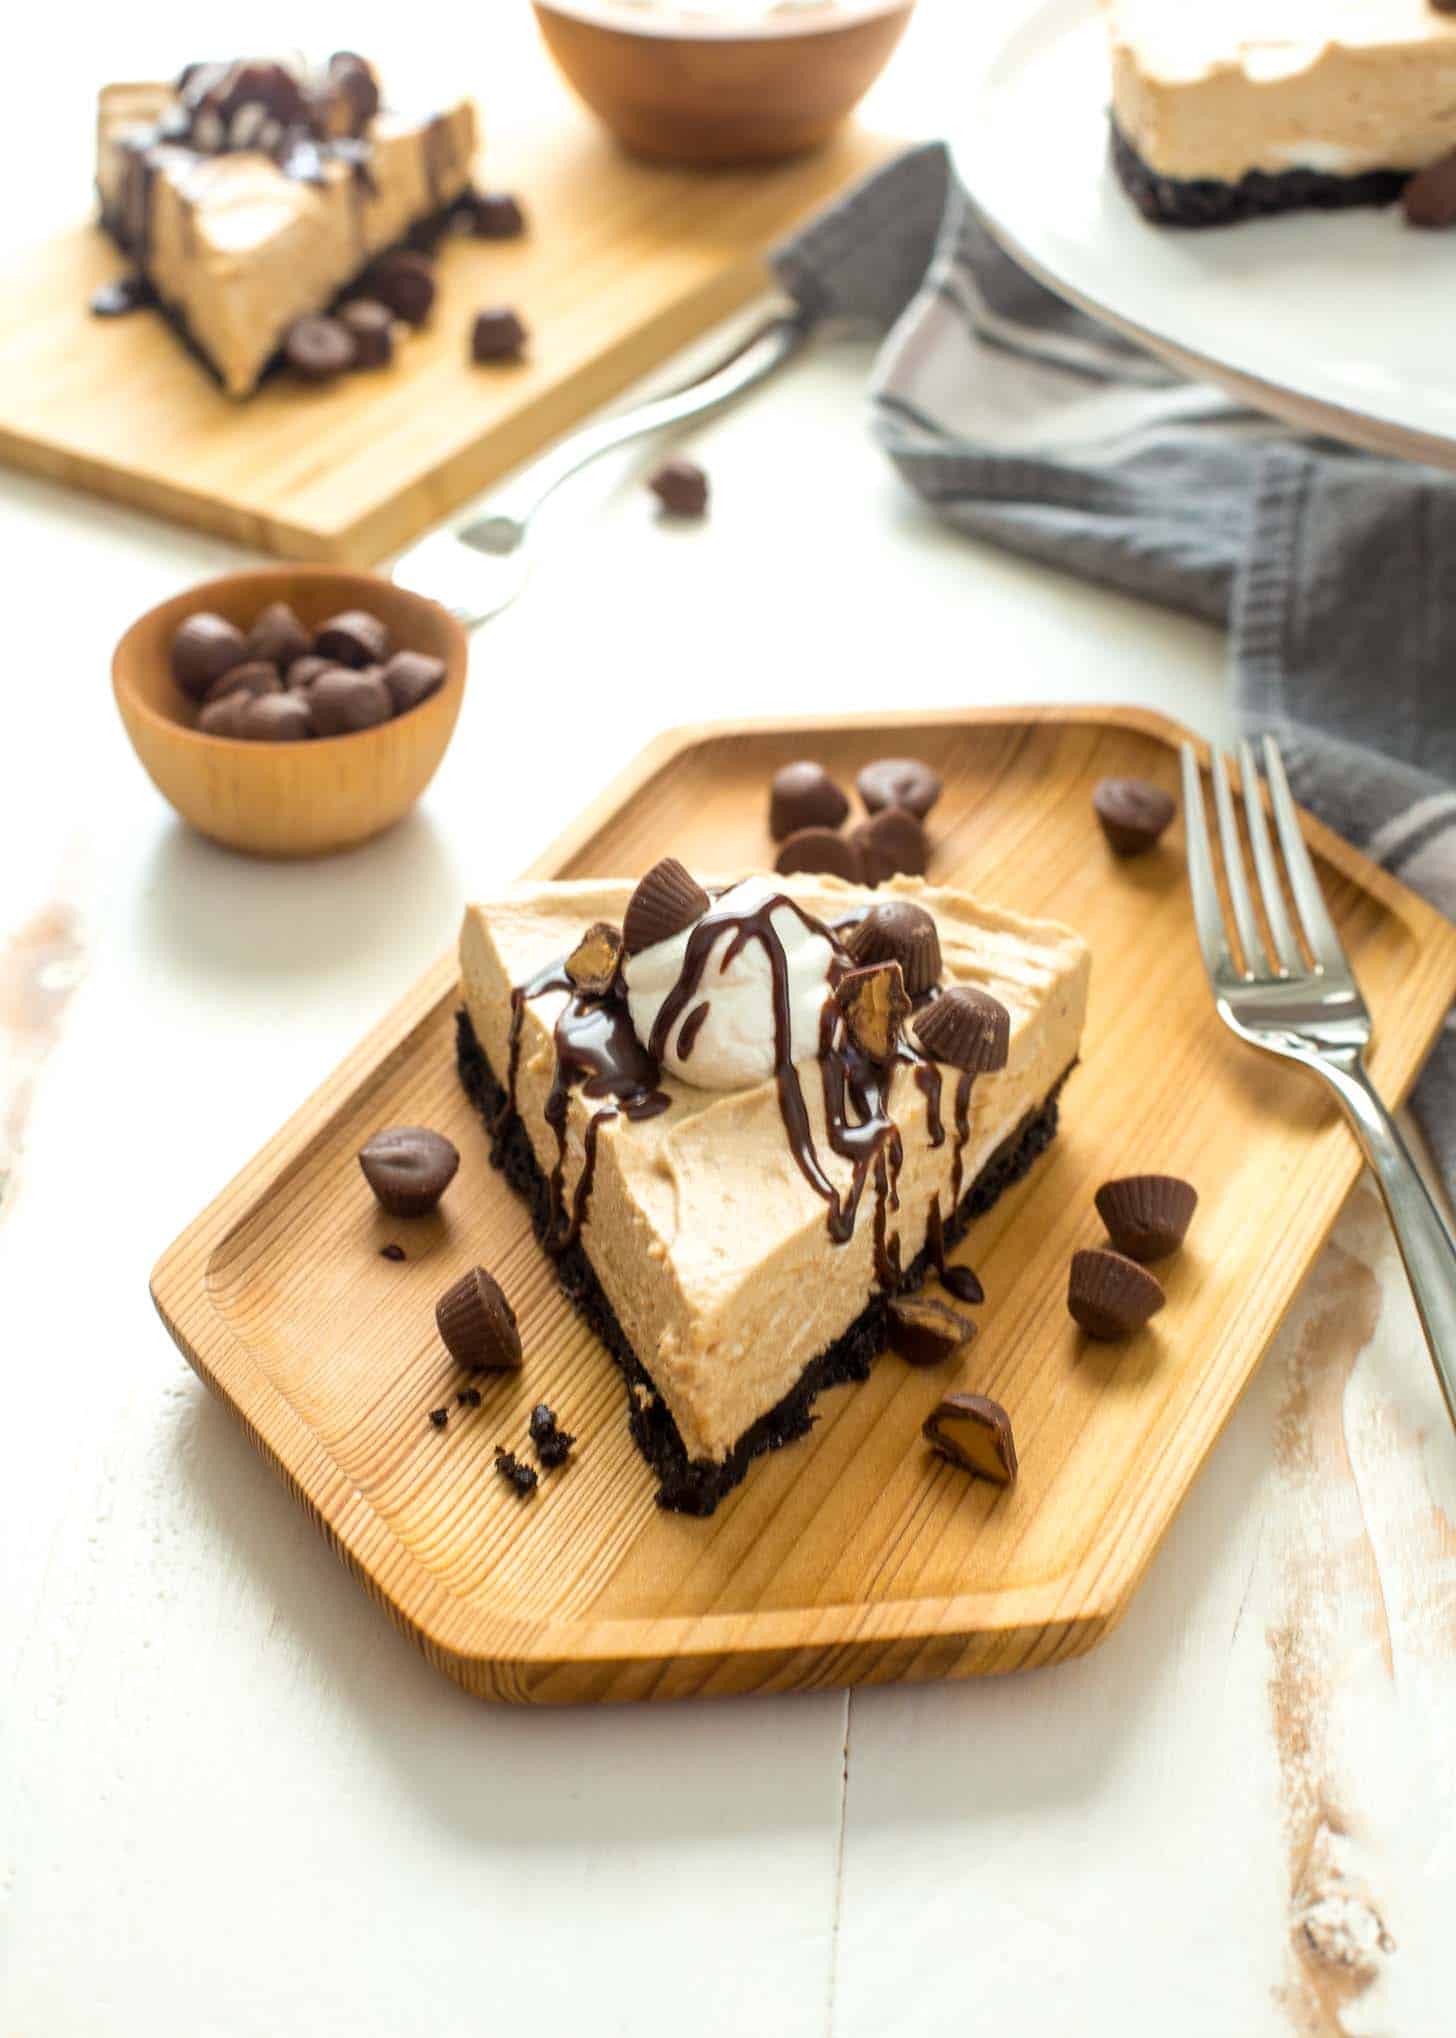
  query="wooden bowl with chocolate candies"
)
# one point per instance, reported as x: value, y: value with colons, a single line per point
x: 291, y: 710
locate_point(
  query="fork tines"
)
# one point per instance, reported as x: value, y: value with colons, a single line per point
x: 1255, y: 964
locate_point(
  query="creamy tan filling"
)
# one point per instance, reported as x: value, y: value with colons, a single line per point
x: 241, y: 251
x: 710, y: 1245
x: 1344, y: 86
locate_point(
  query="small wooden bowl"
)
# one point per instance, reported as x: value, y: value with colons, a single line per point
x: 288, y: 799
x: 692, y: 91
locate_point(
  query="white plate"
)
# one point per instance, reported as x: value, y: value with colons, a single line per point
x: 1340, y: 321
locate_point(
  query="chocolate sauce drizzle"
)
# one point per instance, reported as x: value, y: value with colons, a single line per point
x: 597, y: 1050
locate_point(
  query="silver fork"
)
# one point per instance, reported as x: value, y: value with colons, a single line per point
x: 1310, y: 1012
x: 478, y: 567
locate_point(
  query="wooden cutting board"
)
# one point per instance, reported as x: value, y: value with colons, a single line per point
x: 625, y: 263
x: 853, y: 1556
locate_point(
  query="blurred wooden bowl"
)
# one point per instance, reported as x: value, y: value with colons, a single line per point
x: 692, y: 90
x: 288, y: 799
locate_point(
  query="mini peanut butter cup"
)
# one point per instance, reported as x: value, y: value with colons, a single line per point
x: 223, y: 717
x: 681, y: 487
x: 412, y: 677
x: 1111, y: 1296
x: 967, y: 1028
x: 875, y: 1008
x: 409, y: 1168
x: 803, y: 795
x: 892, y: 843
x: 497, y: 334
x: 667, y: 901
x: 371, y: 327
x: 253, y: 676
x: 1429, y: 199
x: 1132, y: 813
x: 899, y: 932
x: 344, y: 701
x: 974, y: 1432
x: 274, y: 718
x: 820, y: 852
x: 594, y: 962
x: 353, y: 637
x: 1147, y: 1216
x: 277, y: 636
x: 899, y: 782
x: 317, y: 349
x: 478, y: 1325
x: 203, y: 649
x: 304, y: 671
x: 926, y: 1331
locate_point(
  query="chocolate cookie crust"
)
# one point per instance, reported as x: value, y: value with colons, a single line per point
x: 695, y: 1486
x: 1207, y: 201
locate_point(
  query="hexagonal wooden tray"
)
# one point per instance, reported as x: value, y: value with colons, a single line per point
x: 854, y: 1555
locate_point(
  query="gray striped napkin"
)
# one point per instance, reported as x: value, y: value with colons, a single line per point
x: 1027, y: 423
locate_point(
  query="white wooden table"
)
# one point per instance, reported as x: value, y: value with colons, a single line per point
x: 234, y: 1801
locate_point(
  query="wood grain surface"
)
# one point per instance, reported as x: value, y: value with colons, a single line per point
x: 624, y: 263
x: 851, y: 1557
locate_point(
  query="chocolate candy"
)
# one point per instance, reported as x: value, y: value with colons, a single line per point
x: 666, y: 902
x: 523, y: 1477
x: 304, y: 671
x: 681, y: 487
x: 409, y: 1168
x: 899, y: 782
x: 875, y: 1008
x: 821, y: 851
x: 478, y: 1325
x: 804, y: 796
x: 926, y: 1331
x: 277, y: 636
x: 974, y: 1432
x: 594, y: 962
x: 553, y: 1443
x: 203, y: 649
x: 899, y: 932
x: 497, y: 335
x: 967, y: 1028
x: 1147, y: 1216
x: 353, y: 638
x: 891, y: 843
x: 404, y: 282
x: 412, y: 676
x: 490, y: 215
x: 353, y: 80
x: 1429, y: 199
x: 275, y: 718
x: 223, y: 717
x: 344, y: 701
x: 253, y: 676
x: 1111, y: 1296
x: 371, y: 327
x: 1132, y: 813
x: 318, y: 349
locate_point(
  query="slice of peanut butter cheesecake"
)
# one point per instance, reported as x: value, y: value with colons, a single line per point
x: 1253, y: 107
x: 746, y: 1115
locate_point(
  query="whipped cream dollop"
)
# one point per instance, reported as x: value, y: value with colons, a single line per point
x: 724, y: 1036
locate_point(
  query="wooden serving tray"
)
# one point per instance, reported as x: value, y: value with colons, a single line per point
x: 853, y: 1556
x: 625, y: 263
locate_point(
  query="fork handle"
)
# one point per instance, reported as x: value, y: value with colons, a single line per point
x: 1425, y: 1240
